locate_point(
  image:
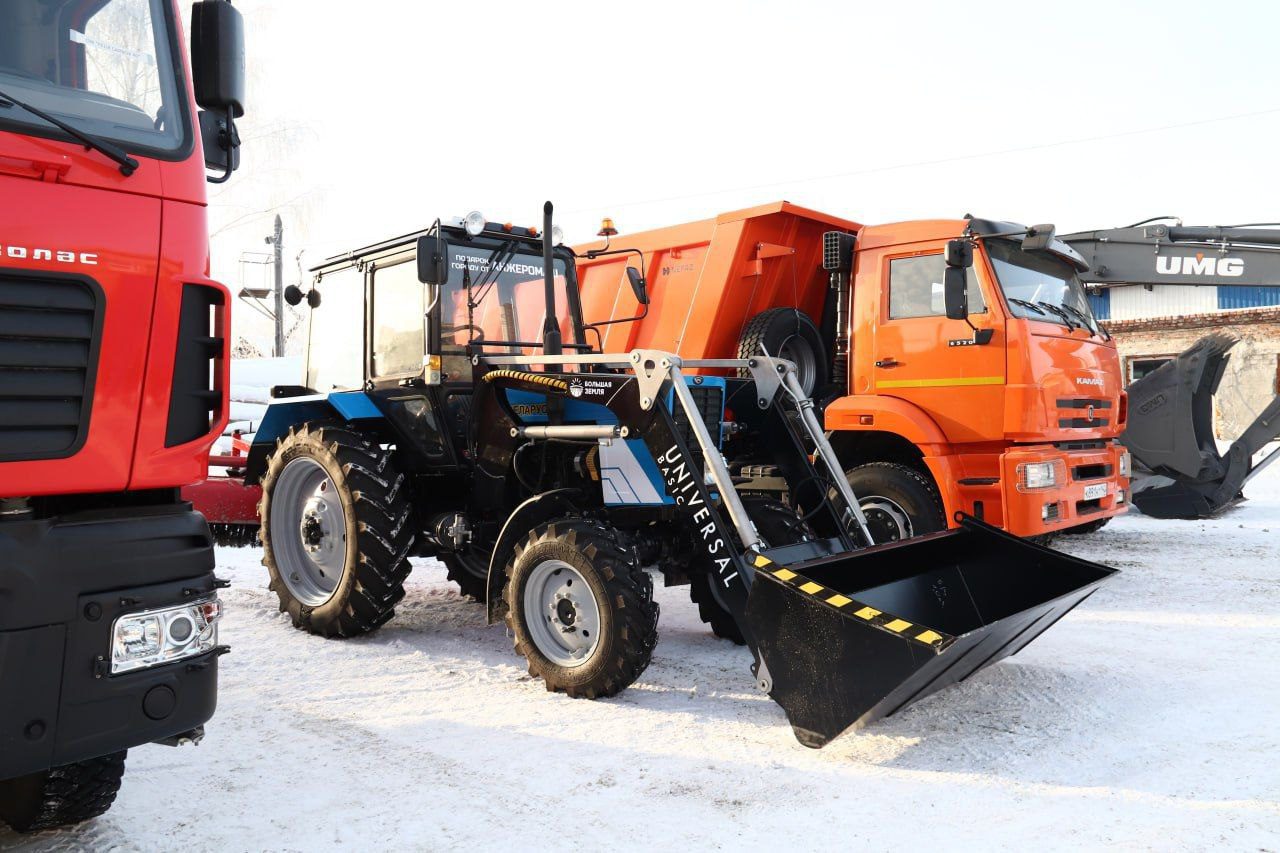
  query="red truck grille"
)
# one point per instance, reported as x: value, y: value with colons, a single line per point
x: 50, y: 330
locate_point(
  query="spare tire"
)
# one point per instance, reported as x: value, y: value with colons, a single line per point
x: 788, y: 333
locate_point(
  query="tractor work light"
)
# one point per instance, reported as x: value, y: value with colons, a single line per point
x: 473, y: 223
x: 155, y: 637
x: 1037, y: 475
x: 557, y: 235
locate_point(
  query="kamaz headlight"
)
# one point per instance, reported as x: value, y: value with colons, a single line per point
x: 1126, y: 464
x: 473, y: 223
x: 1037, y: 475
x: 153, y: 637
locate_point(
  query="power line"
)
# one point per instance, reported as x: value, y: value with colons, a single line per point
x: 935, y: 162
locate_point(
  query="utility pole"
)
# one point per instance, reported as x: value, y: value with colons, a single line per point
x: 277, y: 242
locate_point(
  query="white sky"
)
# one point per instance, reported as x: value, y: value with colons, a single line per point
x: 370, y: 120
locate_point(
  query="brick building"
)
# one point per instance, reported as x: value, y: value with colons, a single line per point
x: 1153, y: 325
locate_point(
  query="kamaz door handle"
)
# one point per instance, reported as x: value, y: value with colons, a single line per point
x: 887, y: 362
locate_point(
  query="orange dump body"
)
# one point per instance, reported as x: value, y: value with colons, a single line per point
x: 974, y: 416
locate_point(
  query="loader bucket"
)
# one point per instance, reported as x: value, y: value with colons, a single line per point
x: 859, y: 636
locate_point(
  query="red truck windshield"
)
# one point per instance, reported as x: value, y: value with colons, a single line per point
x: 106, y: 67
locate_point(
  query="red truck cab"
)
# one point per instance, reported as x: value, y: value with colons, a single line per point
x: 113, y: 377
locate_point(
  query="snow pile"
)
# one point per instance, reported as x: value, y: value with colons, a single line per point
x: 251, y: 383
x: 1146, y: 719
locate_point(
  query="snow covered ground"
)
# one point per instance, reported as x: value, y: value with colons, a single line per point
x: 1147, y: 719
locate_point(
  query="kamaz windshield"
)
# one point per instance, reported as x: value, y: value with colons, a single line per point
x: 1040, y: 286
x: 109, y: 68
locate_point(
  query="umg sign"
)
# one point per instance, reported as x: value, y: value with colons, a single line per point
x: 1200, y: 264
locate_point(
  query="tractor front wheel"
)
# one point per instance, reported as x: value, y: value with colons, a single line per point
x: 63, y: 795
x: 337, y: 528
x: 581, y: 608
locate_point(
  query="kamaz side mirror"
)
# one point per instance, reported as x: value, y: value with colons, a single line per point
x: 433, y: 259
x: 217, y: 56
x: 637, y: 285
x: 1038, y: 238
x: 955, y: 291
x: 293, y: 294
x: 959, y: 253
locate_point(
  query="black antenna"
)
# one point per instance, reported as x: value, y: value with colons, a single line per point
x: 551, y: 325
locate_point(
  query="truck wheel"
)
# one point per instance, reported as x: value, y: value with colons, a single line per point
x: 787, y: 333
x: 581, y: 608
x: 899, y: 502
x: 470, y: 572
x: 336, y: 530
x: 777, y: 525
x: 63, y: 795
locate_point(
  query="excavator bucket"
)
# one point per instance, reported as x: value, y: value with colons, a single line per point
x: 1170, y: 433
x: 852, y: 638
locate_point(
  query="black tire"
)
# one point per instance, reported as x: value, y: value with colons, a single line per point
x: 377, y: 534
x: 470, y: 572
x: 777, y: 524
x: 898, y: 501
x: 1084, y: 529
x: 621, y: 591
x: 788, y: 333
x: 62, y: 796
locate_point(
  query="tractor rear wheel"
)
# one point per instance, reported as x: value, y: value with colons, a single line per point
x: 63, y: 795
x: 787, y: 333
x: 777, y: 525
x: 899, y: 502
x: 581, y: 608
x: 337, y: 528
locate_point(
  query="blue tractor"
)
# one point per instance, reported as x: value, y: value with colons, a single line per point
x: 472, y: 419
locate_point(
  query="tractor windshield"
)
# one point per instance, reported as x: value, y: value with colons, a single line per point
x: 1040, y: 286
x: 494, y: 299
x: 110, y: 68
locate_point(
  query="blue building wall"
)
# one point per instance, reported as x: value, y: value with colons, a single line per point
x: 1247, y: 296
x: 1100, y: 302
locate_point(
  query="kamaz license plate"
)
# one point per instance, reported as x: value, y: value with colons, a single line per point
x: 1097, y: 490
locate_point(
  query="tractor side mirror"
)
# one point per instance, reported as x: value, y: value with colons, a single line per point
x: 217, y: 56
x: 638, y: 285
x: 433, y: 259
x: 293, y: 294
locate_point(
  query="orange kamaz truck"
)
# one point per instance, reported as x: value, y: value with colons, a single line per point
x: 957, y: 362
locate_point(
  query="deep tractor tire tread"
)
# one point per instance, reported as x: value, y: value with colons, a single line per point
x: 771, y: 327
x: 914, y: 484
x: 778, y: 525
x: 62, y: 796
x: 375, y: 495
x: 628, y: 590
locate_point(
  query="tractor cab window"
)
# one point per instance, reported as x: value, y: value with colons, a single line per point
x: 496, y: 299
x: 107, y: 67
x: 335, y: 349
x: 398, y: 324
x: 915, y: 288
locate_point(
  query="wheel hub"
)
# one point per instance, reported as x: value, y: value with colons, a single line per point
x: 562, y: 615
x: 887, y: 520
x: 311, y: 561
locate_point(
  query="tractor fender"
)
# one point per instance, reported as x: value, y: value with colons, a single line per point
x: 534, y: 511
x: 280, y: 417
x: 867, y: 412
